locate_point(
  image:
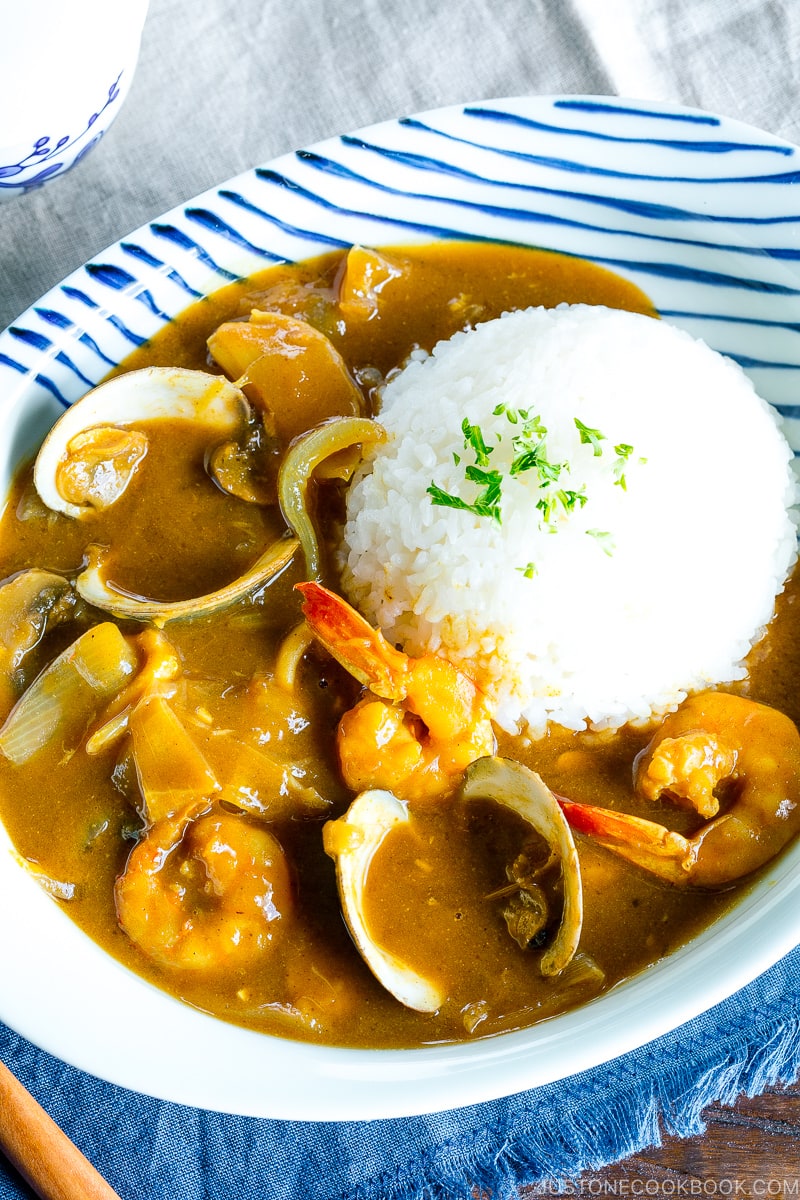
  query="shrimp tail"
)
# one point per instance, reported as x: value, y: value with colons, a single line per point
x: 648, y: 845
x: 363, y: 651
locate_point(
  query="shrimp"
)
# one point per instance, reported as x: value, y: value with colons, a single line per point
x: 422, y: 721
x: 716, y: 752
x: 204, y: 889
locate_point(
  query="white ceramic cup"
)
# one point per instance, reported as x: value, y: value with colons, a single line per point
x: 65, y: 69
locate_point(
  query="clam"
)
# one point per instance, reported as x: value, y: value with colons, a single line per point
x: 524, y: 792
x: 95, y: 589
x: 353, y: 840
x: 91, y: 454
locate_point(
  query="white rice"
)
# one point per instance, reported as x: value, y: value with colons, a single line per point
x: 679, y: 577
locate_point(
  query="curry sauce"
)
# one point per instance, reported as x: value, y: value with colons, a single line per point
x: 436, y: 889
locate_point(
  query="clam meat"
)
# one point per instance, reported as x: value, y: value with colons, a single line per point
x: 517, y: 788
x: 90, y: 455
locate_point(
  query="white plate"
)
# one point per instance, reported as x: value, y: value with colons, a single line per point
x: 703, y: 214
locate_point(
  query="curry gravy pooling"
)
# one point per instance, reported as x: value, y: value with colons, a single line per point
x: 436, y: 888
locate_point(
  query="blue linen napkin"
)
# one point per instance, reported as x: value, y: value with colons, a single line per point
x: 152, y: 1150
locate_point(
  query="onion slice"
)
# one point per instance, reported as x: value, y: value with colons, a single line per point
x: 68, y: 692
x: 172, y: 771
x: 302, y: 458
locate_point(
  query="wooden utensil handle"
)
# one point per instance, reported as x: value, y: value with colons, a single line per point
x: 42, y: 1153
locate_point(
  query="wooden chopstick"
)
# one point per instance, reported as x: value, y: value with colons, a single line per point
x: 41, y: 1152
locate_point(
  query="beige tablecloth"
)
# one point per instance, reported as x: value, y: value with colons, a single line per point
x: 225, y: 84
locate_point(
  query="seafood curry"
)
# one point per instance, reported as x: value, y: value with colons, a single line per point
x: 242, y: 791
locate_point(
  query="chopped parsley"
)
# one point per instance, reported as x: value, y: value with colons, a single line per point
x: 623, y: 452
x: 604, y: 539
x: 547, y: 505
x: 487, y: 502
x: 572, y: 499
x: 480, y: 507
x: 473, y: 436
x: 529, y: 447
x: 491, y: 482
x: 590, y: 437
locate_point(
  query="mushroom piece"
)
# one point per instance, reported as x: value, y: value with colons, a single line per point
x: 246, y: 468
x: 524, y: 792
x: 31, y: 602
x: 352, y: 841
x: 94, y: 589
x: 90, y: 455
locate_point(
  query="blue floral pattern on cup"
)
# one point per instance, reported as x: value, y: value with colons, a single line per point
x: 47, y: 158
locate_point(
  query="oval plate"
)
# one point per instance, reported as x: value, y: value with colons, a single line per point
x: 699, y: 212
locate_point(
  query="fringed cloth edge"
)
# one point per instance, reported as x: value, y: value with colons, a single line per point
x: 531, y: 1148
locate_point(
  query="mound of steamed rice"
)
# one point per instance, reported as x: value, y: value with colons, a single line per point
x: 608, y: 610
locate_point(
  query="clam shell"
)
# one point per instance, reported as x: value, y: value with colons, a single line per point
x: 91, y: 585
x: 525, y: 793
x: 145, y: 395
x: 353, y: 841
x: 152, y: 393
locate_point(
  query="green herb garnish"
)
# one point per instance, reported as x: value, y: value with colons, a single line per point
x: 604, y: 539
x: 537, y: 460
x: 473, y: 436
x: 530, y: 454
x: 488, y: 502
x: 481, y: 507
x: 590, y: 437
x: 623, y: 452
x: 547, y: 506
x: 572, y: 499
